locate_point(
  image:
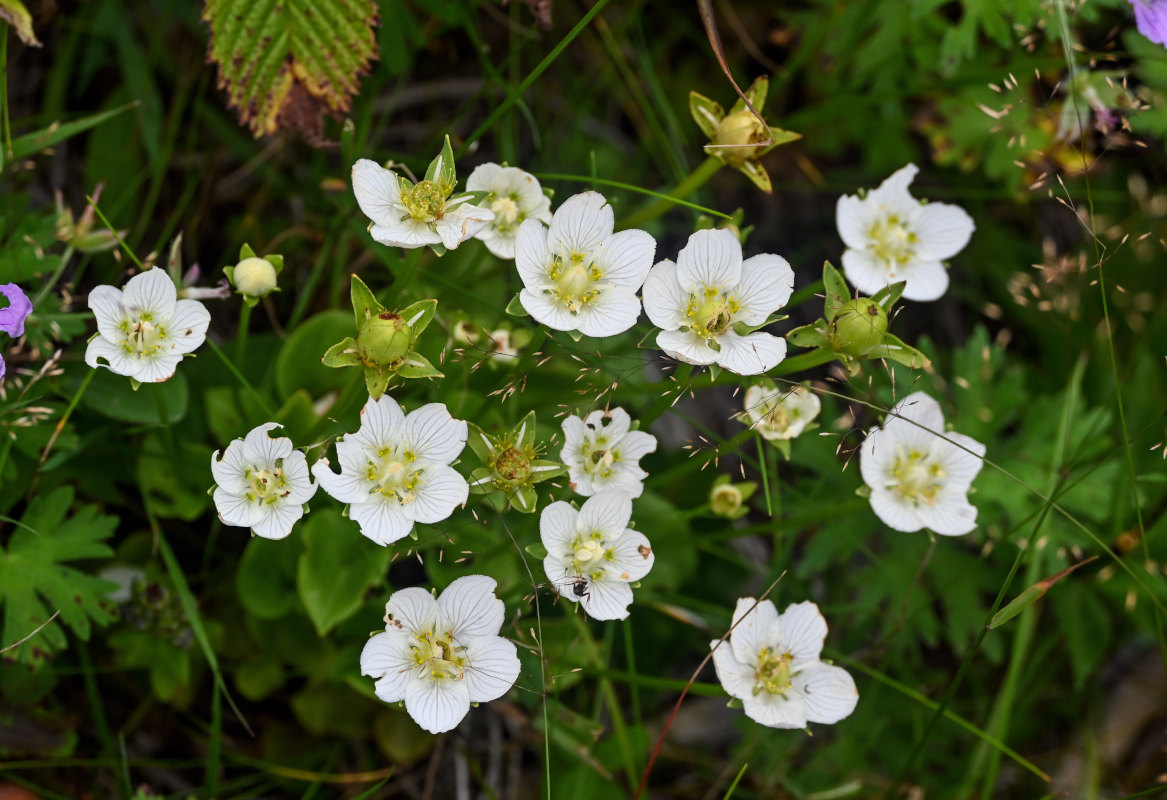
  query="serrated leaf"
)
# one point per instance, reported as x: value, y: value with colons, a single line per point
x: 288, y: 63
x: 35, y: 582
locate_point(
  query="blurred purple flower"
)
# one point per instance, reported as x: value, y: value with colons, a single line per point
x: 1151, y: 19
x: 19, y: 307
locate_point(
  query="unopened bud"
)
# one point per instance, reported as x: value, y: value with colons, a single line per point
x: 255, y: 277
x: 859, y: 327
x: 726, y: 500
x: 383, y: 339
x: 738, y: 129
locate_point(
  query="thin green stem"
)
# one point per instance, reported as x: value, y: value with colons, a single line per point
x: 56, y: 276
x: 64, y: 419
x: 630, y: 658
x: 8, y: 155
x: 666, y: 200
x: 267, y: 409
x: 121, y: 242
x: 697, y: 178
x: 241, y: 334
x: 765, y: 472
x: 615, y: 711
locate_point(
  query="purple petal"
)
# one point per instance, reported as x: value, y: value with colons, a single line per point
x: 19, y: 307
x: 1151, y: 19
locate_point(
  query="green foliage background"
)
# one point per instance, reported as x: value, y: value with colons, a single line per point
x: 232, y: 670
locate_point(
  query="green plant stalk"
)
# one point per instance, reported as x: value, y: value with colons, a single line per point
x: 630, y: 658
x: 667, y: 199
x: 697, y: 178
x: 609, y: 694
x: 96, y: 708
x: 4, y: 94
x: 765, y: 472
x: 733, y: 786
x: 60, y: 423
x: 241, y: 334
x: 56, y: 276
x: 242, y: 380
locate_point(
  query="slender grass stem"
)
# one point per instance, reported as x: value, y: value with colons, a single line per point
x: 8, y: 154
x: 615, y: 710
x: 267, y: 409
x: 62, y: 421
x: 241, y: 334
x: 697, y: 178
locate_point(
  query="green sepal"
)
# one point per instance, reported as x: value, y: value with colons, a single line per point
x: 135, y: 384
x: 741, y: 329
x: 895, y: 349
x: 246, y: 252
x: 863, y: 491
x: 783, y: 445
x: 835, y: 288
x: 481, y: 474
x: 714, y: 371
x: 733, y: 701
x: 575, y: 335
x: 756, y: 173
x: 524, y: 433
x: 252, y: 302
x: 813, y: 335
x: 415, y: 365
x: 342, y: 354
x: 441, y: 169
x: 230, y: 273
x: 464, y: 198
x: 641, y: 344
x: 747, y: 488
x: 438, y: 249
x: 1019, y: 604
x: 525, y: 500
x: 780, y: 137
x: 277, y: 263
x: 426, y: 308
x: 756, y: 94
x: 706, y: 113
x: 515, y: 308
x: 888, y: 296
x: 365, y: 304
x: 480, y: 442
x: 376, y: 381
x: 537, y: 550
x: 543, y: 470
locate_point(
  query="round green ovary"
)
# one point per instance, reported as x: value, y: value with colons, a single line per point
x: 773, y: 672
x: 892, y: 241
x: 916, y: 476
x: 438, y: 656
x: 709, y: 314
x: 266, y: 486
x: 395, y: 476
x: 425, y: 202
x: 575, y: 281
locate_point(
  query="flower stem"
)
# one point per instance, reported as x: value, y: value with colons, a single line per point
x: 64, y: 419
x: 4, y: 93
x: 697, y: 178
x: 241, y: 335
x: 242, y: 380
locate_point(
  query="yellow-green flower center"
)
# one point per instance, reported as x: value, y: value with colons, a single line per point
x: 425, y: 201
x: 773, y: 672
x: 892, y: 241
x: 143, y: 336
x: 507, y: 213
x: 394, y: 474
x: 438, y: 656
x: 599, y: 462
x: 917, y: 476
x: 266, y: 486
x: 575, y: 280
x: 588, y: 555
x: 710, y: 313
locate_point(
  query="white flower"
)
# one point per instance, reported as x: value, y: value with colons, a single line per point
x: 515, y: 196
x: 262, y: 483
x: 771, y: 663
x: 780, y: 413
x: 414, y: 215
x: 439, y: 656
x: 697, y: 300
x: 577, y: 274
x: 255, y: 277
x: 602, y: 453
x: 395, y: 470
x: 144, y: 330
x: 917, y: 478
x: 592, y: 554
x: 891, y: 237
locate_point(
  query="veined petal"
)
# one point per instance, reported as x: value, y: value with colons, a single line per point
x: 437, y: 706
x: 106, y: 304
x: 432, y: 434
x: 755, y: 628
x: 751, y: 354
x: 580, y: 224
x: 736, y: 678
x: 439, y: 490
x: 461, y: 223
x: 607, y: 513
x: 532, y: 258
x: 557, y: 527
x: 299, y: 482
x: 875, y: 456
x: 230, y: 470
x: 766, y: 284
x: 378, y: 192
x: 547, y: 311
x: 894, y: 511
x: 893, y: 195
x: 606, y: 599
x: 853, y: 218
x: 116, y: 358
x: 259, y: 448
x: 625, y: 258
x: 276, y: 519
x: 802, y: 631
x: 925, y: 281
x: 150, y: 292
x: 407, y: 233
x: 494, y: 668
x: 156, y: 368
x: 684, y: 345
x: 828, y: 693
x: 960, y: 466
x: 614, y: 310
x: 187, y: 327
x: 665, y: 302
x: 347, y: 487
x: 414, y: 608
x: 950, y: 514
x: 915, y: 420
x: 388, y: 656
x: 712, y: 259
x: 943, y: 231
x: 470, y: 605
x: 614, y: 425
x: 379, y: 519
x: 866, y: 272
x: 234, y: 509
x: 775, y: 710
x: 632, y: 556
x: 381, y: 419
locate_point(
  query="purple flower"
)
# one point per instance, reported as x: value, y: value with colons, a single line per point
x: 1151, y: 19
x: 19, y: 307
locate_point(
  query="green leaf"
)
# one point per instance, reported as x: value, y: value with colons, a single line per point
x: 266, y: 578
x: 30, y: 143
x: 835, y: 288
x: 298, y: 364
x: 287, y: 63
x: 174, y: 484
x: 365, y: 304
x: 337, y: 567
x: 706, y: 113
x: 515, y: 308
x: 113, y: 396
x: 35, y: 581
x: 15, y: 14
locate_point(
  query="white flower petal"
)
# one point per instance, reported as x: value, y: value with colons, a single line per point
x: 606, y: 599
x: 684, y: 345
x: 755, y: 628
x: 893, y: 195
x: 408, y: 233
x: 802, y: 631
x: 712, y: 259
x: 187, y: 327
x: 546, y: 310
x: 261, y: 449
x: 895, y: 511
x: 915, y: 420
x: 493, y: 669
x: 775, y: 711
x: 380, y: 419
x: 380, y: 519
x: 388, y: 656
x: 150, y: 292
x: 665, y: 302
x: 634, y: 445
x: 378, y: 192
x: 557, y: 527
x: 607, y: 513
x: 116, y: 358
x: 632, y: 556
x: 866, y: 272
x: 414, y: 608
x: 625, y: 258
x: 531, y: 254
x: 276, y: 520
x: 828, y: 693
x: 766, y: 285
x: 106, y: 304
x: 299, y: 483
x: 345, y: 487
x: 432, y: 434
x: 234, y: 509
x: 461, y: 223
x: 580, y: 224
x: 156, y: 368
x: 960, y: 466
x: 437, y: 706
x: 943, y: 231
x: 471, y: 607
x: 926, y: 280
x: 736, y: 678
x: 614, y: 310
x: 229, y: 471
x: 853, y: 218
x: 439, y: 490
x: 875, y: 456
x: 950, y: 514
x: 751, y: 354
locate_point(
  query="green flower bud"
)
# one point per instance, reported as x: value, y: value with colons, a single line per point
x: 739, y: 128
x: 859, y: 327
x: 726, y: 500
x: 254, y: 277
x: 383, y: 339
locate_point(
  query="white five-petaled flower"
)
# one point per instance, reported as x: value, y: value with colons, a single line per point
x: 515, y: 196
x: 577, y: 274
x: 778, y: 414
x: 697, y: 301
x: 592, y: 554
x: 601, y: 452
x: 394, y: 471
x: 919, y: 475
x: 771, y: 663
x: 439, y: 656
x: 144, y: 330
x: 262, y: 483
x: 414, y: 215
x: 891, y: 237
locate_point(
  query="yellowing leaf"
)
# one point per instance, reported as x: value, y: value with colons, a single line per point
x: 287, y: 63
x: 15, y: 14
